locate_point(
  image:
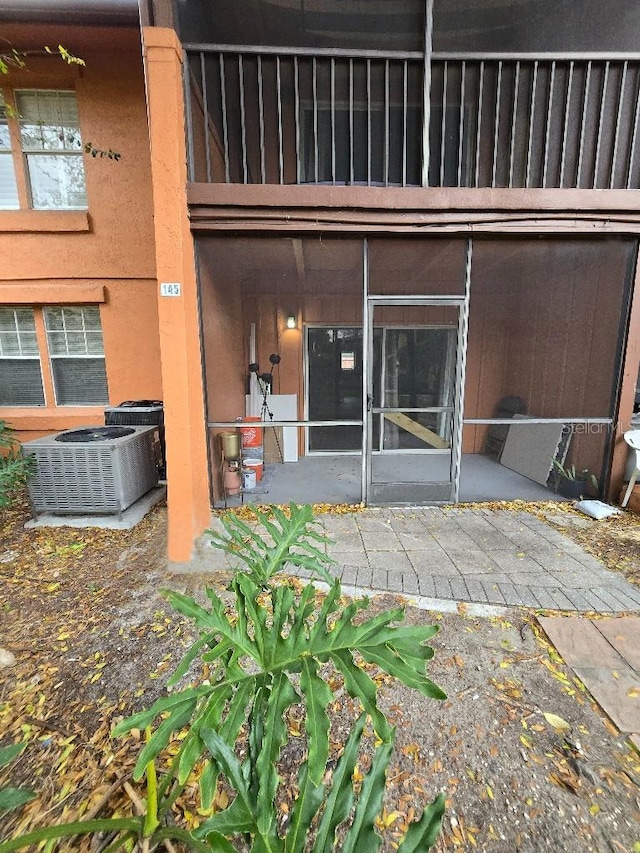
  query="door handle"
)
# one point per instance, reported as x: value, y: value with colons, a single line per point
x: 369, y: 402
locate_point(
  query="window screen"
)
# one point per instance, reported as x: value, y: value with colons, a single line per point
x: 20, y: 373
x: 74, y: 335
x: 52, y: 146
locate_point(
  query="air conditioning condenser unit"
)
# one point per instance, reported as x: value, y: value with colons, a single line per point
x: 92, y: 470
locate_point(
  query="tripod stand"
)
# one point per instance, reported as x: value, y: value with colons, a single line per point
x: 264, y: 382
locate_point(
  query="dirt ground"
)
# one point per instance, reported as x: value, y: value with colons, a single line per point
x: 94, y: 640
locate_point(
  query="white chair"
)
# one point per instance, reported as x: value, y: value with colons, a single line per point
x: 632, y: 437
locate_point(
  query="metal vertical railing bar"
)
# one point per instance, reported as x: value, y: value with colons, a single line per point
x: 601, y: 114
x: 496, y: 126
x: 314, y: 76
x: 205, y: 111
x: 351, y: 126
x: 616, y: 134
x: 243, y: 122
x: 263, y: 163
x: 532, y: 115
x: 386, y: 124
x: 443, y: 122
x: 333, y: 120
x: 514, y: 121
x: 479, y: 124
x: 368, y: 122
x: 566, y: 123
x: 463, y: 73
x: 296, y: 96
x: 634, y: 135
x: 405, y: 87
x: 280, y: 137
x: 583, y: 123
x: 225, y: 123
x: 547, y: 135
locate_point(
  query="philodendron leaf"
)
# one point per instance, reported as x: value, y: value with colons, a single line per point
x: 305, y: 807
x: 8, y: 753
x: 70, y: 830
x: 11, y: 798
x: 423, y: 834
x: 281, y: 697
x: 341, y: 796
x: 317, y: 697
x: 160, y: 738
x: 362, y: 835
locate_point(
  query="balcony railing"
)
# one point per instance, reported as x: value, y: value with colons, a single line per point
x: 277, y: 116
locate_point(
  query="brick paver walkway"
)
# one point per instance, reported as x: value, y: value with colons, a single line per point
x: 473, y: 555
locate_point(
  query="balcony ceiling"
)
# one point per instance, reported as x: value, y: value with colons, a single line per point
x: 459, y: 25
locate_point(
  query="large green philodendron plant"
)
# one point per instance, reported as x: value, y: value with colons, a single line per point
x: 273, y: 649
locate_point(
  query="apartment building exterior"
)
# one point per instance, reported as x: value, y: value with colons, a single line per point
x: 427, y: 209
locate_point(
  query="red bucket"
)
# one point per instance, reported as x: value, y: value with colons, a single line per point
x: 251, y: 435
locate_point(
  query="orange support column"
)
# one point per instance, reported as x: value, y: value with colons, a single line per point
x: 187, y: 471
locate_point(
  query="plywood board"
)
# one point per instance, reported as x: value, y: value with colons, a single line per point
x: 422, y: 432
x: 529, y: 449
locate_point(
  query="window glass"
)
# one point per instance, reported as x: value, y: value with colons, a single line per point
x: 52, y: 144
x: 20, y: 371
x: 8, y: 186
x: 76, y: 349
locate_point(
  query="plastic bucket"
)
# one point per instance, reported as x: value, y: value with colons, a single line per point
x: 253, y: 452
x: 251, y: 435
x: 249, y: 479
x: 253, y: 464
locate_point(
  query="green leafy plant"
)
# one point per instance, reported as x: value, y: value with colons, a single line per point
x: 569, y: 472
x: 273, y: 649
x: 12, y: 798
x: 15, y: 467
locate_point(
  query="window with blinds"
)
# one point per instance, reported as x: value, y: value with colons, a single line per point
x: 20, y: 368
x: 52, y: 147
x: 76, y: 352
x: 8, y: 186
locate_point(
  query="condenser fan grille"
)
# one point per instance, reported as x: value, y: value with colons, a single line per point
x: 105, y: 433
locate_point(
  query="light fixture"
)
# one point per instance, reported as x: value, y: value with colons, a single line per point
x: 291, y: 322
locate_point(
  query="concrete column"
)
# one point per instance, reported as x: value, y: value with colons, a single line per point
x: 187, y: 471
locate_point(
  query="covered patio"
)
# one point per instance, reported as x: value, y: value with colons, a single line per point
x: 414, y: 370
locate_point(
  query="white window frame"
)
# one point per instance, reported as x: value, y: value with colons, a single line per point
x: 23, y: 356
x: 71, y: 355
x: 25, y: 155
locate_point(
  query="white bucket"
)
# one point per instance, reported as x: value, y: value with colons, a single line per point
x: 256, y: 465
x: 249, y: 479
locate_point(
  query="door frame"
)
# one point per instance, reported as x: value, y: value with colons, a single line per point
x: 461, y: 302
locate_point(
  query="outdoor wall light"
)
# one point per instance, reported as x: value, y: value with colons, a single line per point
x: 291, y: 322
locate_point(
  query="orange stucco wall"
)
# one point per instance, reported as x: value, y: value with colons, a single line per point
x: 102, y: 256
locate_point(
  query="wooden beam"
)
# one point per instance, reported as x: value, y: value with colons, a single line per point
x: 420, y: 431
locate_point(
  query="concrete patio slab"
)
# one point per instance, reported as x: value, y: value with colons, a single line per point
x: 124, y: 521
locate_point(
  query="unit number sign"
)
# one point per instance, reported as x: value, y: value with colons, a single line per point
x: 169, y: 288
